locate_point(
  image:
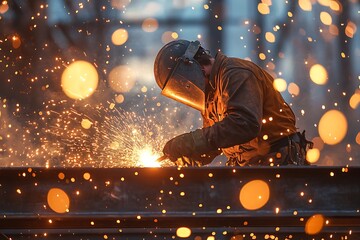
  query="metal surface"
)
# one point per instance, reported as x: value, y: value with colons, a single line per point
x: 147, y: 203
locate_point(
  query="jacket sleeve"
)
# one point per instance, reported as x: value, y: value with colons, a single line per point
x: 242, y: 97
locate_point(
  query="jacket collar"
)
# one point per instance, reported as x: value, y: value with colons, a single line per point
x: 219, y: 59
x: 211, y: 86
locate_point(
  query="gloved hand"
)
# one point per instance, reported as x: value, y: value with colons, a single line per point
x: 182, y: 145
x: 182, y: 148
x: 186, y: 162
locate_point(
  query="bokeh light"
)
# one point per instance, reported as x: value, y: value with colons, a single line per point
x: 333, y: 127
x: 270, y: 37
x: 350, y: 29
x: 79, y: 80
x: 150, y: 25
x: 354, y: 101
x: 121, y: 79
x: 120, y: 4
x: 169, y: 36
x: 4, y: 7
x: 262, y: 56
x: 318, y: 74
x: 280, y: 84
x: 119, y: 36
x: 357, y: 138
x: 183, y: 232
x: 86, y: 123
x: 314, y: 224
x: 119, y: 98
x: 254, y: 194
x: 58, y: 200
x: 325, y: 3
x: 86, y: 176
x: 313, y: 155
x: 61, y: 176
x: 16, y: 41
x: 334, y: 30
x: 174, y: 35
x: 325, y: 18
x: 263, y: 8
x: 237, y: 237
x: 294, y: 89
x: 305, y: 5
x: 335, y: 5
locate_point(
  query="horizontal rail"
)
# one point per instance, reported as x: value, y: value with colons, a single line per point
x: 136, y: 202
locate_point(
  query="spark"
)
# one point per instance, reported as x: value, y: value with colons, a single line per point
x: 113, y: 138
x: 147, y: 158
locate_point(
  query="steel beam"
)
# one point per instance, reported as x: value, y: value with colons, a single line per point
x: 146, y: 203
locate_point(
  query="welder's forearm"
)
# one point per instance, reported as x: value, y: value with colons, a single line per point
x: 232, y: 131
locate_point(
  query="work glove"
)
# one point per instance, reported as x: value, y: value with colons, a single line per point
x: 186, y: 162
x: 186, y: 149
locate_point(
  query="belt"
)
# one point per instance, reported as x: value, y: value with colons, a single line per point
x: 284, y: 142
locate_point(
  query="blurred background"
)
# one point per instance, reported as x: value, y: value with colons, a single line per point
x: 49, y: 118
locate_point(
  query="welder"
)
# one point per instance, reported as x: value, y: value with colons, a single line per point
x: 244, y: 116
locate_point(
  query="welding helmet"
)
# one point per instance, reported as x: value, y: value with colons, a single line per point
x: 179, y: 75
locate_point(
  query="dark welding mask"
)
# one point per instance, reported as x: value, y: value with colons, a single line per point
x: 179, y: 75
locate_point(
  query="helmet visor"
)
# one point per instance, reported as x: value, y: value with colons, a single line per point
x: 187, y: 85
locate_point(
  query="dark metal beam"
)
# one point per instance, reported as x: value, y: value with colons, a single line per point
x: 135, y: 202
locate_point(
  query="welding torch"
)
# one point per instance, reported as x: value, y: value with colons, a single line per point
x: 162, y: 158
